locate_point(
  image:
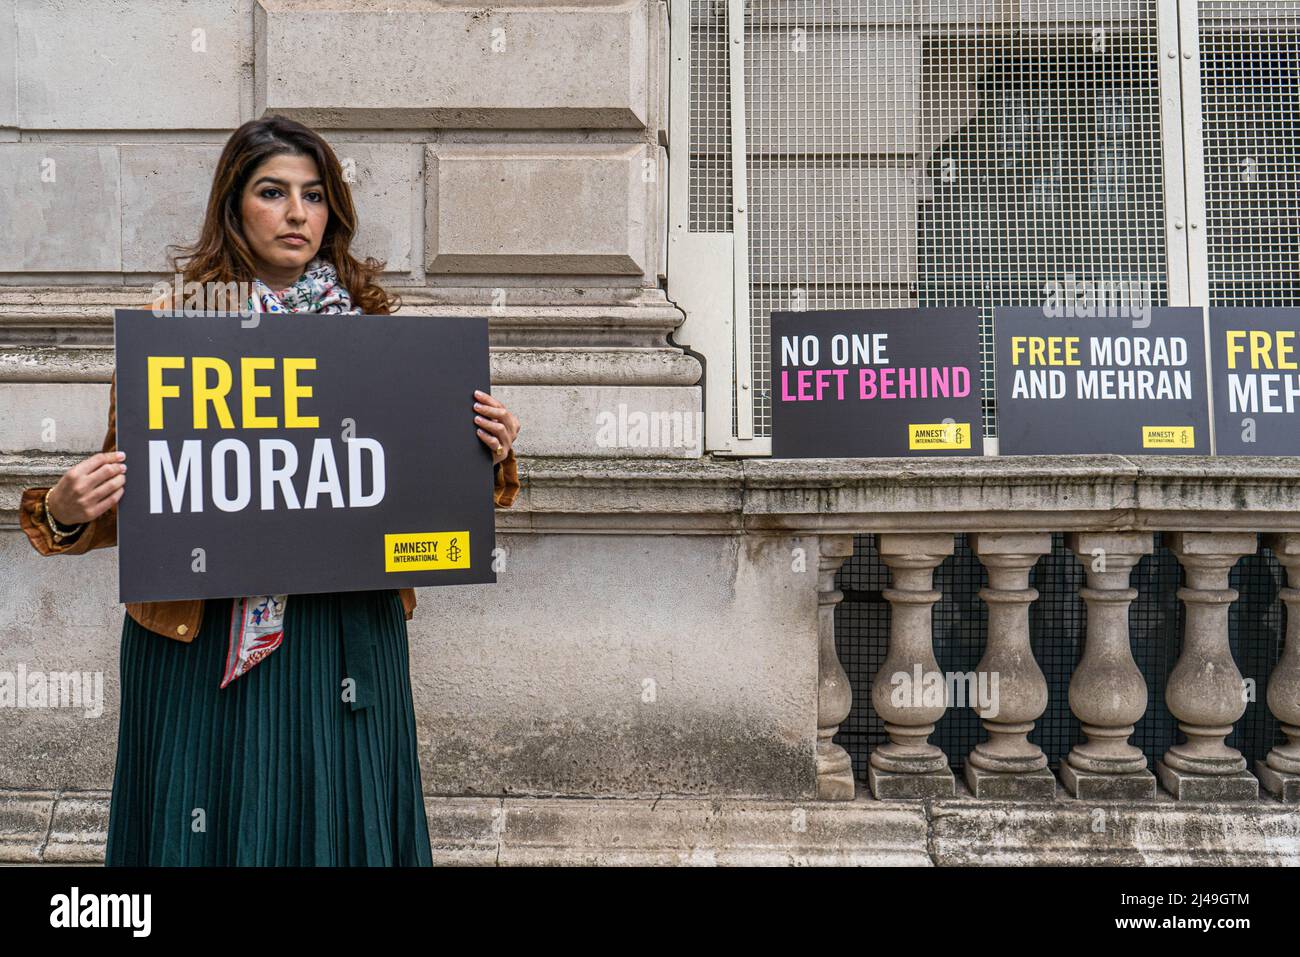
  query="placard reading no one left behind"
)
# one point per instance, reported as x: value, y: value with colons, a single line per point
x: 310, y: 453
x: 1256, y: 361
x: 1073, y: 385
x: 853, y: 383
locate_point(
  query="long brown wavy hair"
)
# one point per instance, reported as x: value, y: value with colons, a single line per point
x: 222, y: 254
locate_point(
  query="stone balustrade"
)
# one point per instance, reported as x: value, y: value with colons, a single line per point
x: 1205, y: 691
x: 1211, y: 514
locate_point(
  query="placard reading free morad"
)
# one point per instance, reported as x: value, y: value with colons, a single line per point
x: 850, y: 383
x: 291, y: 454
x: 1256, y: 364
x: 1076, y: 385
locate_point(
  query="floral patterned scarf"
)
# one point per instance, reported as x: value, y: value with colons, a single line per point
x: 257, y: 621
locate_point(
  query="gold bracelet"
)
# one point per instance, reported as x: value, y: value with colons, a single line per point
x: 60, y: 532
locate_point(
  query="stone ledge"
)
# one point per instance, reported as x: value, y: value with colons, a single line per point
x: 558, y: 366
x: 37, y: 320
x: 1073, y: 832
x: 845, y: 496
x: 674, y: 831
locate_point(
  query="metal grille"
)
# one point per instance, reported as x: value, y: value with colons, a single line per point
x: 1250, y: 108
x: 709, y: 184
x: 904, y: 154
x: 901, y: 153
x: 1057, y: 622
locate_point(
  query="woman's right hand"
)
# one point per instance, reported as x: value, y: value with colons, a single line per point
x: 88, y: 489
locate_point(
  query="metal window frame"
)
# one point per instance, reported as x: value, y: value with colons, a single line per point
x: 1172, y: 120
x: 1193, y: 180
x: 708, y: 273
x: 1189, y: 62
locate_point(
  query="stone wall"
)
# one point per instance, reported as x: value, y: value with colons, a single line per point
x: 507, y: 162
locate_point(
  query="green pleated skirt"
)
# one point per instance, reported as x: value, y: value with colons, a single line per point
x: 289, y: 764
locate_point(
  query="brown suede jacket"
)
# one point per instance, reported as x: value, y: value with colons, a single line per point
x: 180, y: 619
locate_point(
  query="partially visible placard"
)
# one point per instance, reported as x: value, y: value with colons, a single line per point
x: 1256, y: 367
x: 1069, y: 385
x: 849, y: 383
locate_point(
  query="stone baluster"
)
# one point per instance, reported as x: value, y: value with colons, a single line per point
x: 1280, y: 771
x: 1205, y: 691
x: 909, y: 692
x: 1107, y: 692
x: 834, y: 696
x: 1011, y: 692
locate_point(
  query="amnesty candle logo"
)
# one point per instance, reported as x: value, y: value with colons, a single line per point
x: 939, y: 435
x: 420, y: 551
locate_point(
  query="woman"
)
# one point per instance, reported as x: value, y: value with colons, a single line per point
x: 266, y: 729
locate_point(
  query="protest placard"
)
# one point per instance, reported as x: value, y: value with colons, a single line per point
x: 1256, y: 381
x: 277, y: 454
x: 1068, y: 385
x: 875, y: 382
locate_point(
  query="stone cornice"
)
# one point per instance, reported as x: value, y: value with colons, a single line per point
x: 709, y: 496
x: 593, y: 315
x: 576, y: 337
x: 543, y: 366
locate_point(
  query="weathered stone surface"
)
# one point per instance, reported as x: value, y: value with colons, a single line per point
x: 44, y: 187
x: 603, y: 421
x: 24, y: 823
x: 688, y: 832
x: 421, y: 64
x: 891, y: 786
x: 164, y: 197
x: 545, y: 366
x: 628, y: 701
x: 8, y: 42
x: 1283, y: 786
x: 995, y: 786
x: 491, y: 830
x: 1089, y: 833
x: 388, y: 192
x: 83, y: 65
x: 75, y: 413
x: 528, y: 208
x: 1018, y: 492
x: 165, y: 194
x: 79, y: 830
x: 1091, y: 786
x: 660, y: 67
x: 1185, y: 786
x: 601, y: 366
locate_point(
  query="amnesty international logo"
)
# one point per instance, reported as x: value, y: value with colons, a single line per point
x: 939, y: 435
x: 425, y: 551
x: 1163, y: 437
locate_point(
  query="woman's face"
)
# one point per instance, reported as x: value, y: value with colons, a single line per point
x: 284, y: 197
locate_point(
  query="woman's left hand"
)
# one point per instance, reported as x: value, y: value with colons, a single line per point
x: 497, y: 426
